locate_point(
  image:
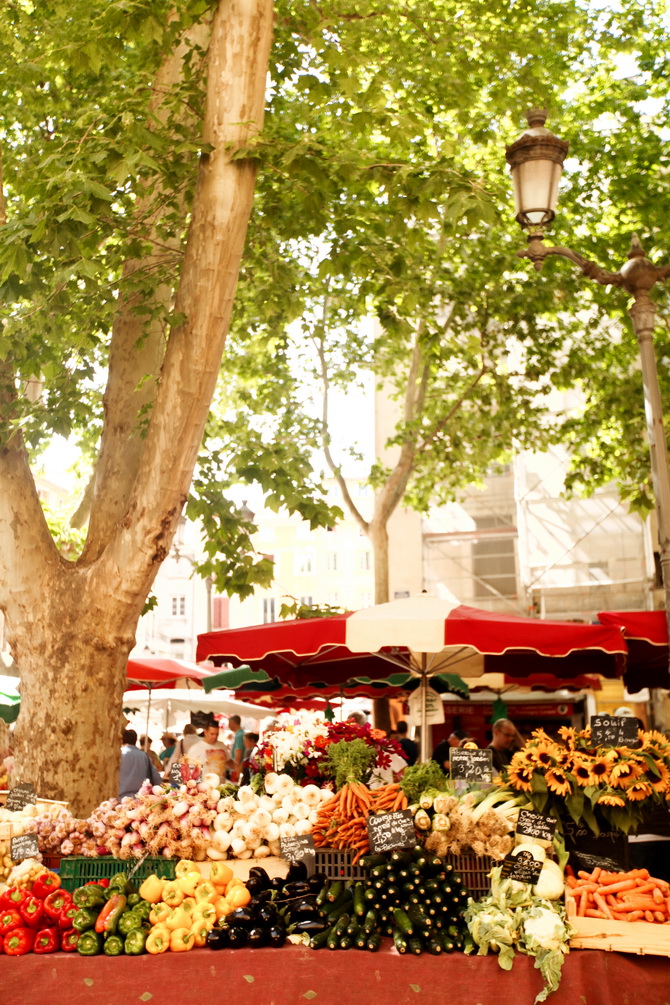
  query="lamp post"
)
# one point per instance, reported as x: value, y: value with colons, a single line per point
x: 536, y: 162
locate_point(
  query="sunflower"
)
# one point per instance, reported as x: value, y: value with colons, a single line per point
x: 638, y: 791
x: 660, y: 783
x: 541, y: 736
x: 653, y: 737
x: 600, y: 770
x: 624, y: 774
x: 558, y: 782
x: 581, y: 770
x: 520, y: 777
x: 611, y: 798
x: 545, y: 754
x: 565, y: 759
x: 525, y: 756
x: 568, y: 734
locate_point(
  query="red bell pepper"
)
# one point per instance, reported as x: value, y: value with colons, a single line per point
x: 69, y: 940
x: 47, y: 941
x: 2, y: 944
x: 55, y: 903
x: 31, y: 910
x: 45, y: 884
x: 98, y: 882
x: 13, y: 897
x: 9, y: 920
x: 19, y: 941
x: 66, y: 915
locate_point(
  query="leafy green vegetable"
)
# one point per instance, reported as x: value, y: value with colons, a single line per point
x: 349, y: 761
x: 417, y: 778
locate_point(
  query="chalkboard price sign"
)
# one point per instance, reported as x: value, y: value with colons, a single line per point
x: 614, y: 731
x: 23, y: 846
x: 535, y: 825
x: 471, y: 765
x: 300, y: 848
x: 609, y: 849
x: 20, y: 796
x: 522, y: 867
x: 175, y: 775
x: 387, y: 831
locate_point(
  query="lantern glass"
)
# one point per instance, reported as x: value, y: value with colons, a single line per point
x: 536, y: 190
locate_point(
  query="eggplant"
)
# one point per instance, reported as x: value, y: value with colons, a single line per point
x: 217, y: 938
x: 298, y: 888
x: 255, y: 885
x: 237, y: 936
x: 305, y: 909
x: 317, y: 882
x: 277, y: 883
x: 312, y: 926
x: 257, y: 937
x: 240, y: 916
x: 266, y: 914
x: 259, y: 872
x: 276, y: 936
x: 296, y: 871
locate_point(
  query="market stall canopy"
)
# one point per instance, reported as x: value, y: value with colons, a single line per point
x: 10, y: 700
x: 646, y: 634
x: 170, y: 706
x: 159, y: 671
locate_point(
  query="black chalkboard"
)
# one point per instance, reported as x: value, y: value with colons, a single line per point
x: 23, y: 846
x: 300, y: 849
x: 522, y: 867
x: 614, y: 731
x: 471, y: 765
x: 536, y: 825
x: 20, y: 796
x: 387, y: 831
x: 609, y: 849
x: 175, y: 775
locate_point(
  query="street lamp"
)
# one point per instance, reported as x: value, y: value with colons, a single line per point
x: 536, y: 161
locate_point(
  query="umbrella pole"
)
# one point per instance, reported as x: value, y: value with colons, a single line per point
x: 424, y: 714
x: 146, y: 732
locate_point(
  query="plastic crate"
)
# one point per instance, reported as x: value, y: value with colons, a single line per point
x: 77, y: 871
x: 474, y: 872
x: 336, y: 864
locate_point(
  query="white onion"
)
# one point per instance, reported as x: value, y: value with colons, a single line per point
x: 262, y: 851
x: 223, y: 822
x: 311, y: 795
x: 221, y: 840
x: 301, y: 811
x: 303, y: 827
x: 280, y: 815
x: 245, y: 854
x: 238, y: 828
x: 266, y: 803
x: 251, y: 832
x: 286, y: 830
x: 237, y: 846
x: 313, y: 817
x: 246, y: 794
x: 275, y: 847
x: 261, y: 818
x: 272, y: 831
x: 270, y: 782
x: 215, y: 854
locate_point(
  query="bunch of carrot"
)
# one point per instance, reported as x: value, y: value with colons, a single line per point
x: 620, y: 896
x: 343, y: 821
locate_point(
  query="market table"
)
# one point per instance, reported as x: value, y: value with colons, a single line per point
x: 293, y: 975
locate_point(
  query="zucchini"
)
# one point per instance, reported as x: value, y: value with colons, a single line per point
x: 369, y: 894
x: 334, y: 890
x: 378, y: 872
x: 322, y: 894
x: 359, y: 900
x: 418, y: 918
x: 341, y: 926
x: 361, y: 939
x: 374, y: 942
x: 370, y: 922
x: 370, y: 861
x: 343, y: 900
x: 353, y: 928
x: 434, y: 946
x: 333, y: 940
x: 447, y: 943
x: 415, y: 947
x: 346, y: 942
x: 400, y: 857
x: 320, y: 940
x: 403, y: 922
x: 400, y: 942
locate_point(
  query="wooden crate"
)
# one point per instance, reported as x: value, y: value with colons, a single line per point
x: 641, y: 937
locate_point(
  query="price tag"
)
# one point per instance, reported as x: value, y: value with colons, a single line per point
x: 175, y: 775
x: 522, y: 867
x: 300, y: 849
x: 614, y: 731
x: 20, y: 796
x: 536, y: 825
x: 608, y: 850
x: 471, y: 765
x: 23, y: 846
x: 387, y: 831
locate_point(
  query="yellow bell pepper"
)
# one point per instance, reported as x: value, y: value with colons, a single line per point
x: 173, y: 894
x: 206, y: 891
x: 206, y: 911
x: 220, y: 875
x: 158, y: 940
x: 181, y: 940
x: 159, y: 912
x: 152, y: 889
x: 189, y: 904
x: 185, y: 866
x: 200, y: 930
x: 189, y: 882
x: 178, y: 918
x: 222, y: 908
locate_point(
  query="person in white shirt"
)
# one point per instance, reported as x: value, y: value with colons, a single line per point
x: 210, y: 752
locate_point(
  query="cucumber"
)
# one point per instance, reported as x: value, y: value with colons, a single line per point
x: 378, y: 872
x: 370, y: 861
x: 400, y: 942
x: 346, y: 942
x: 403, y: 922
x: 434, y: 946
x: 418, y: 918
x: 320, y: 940
x: 359, y: 900
x: 370, y: 922
x: 374, y: 942
x: 415, y: 947
x: 447, y: 943
x: 341, y: 926
x: 344, y: 898
x: 334, y: 890
x: 333, y: 940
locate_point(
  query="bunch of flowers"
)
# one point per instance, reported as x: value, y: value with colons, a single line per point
x: 298, y: 746
x: 619, y: 784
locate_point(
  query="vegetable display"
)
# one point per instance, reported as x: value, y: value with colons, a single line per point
x: 619, y: 896
x: 342, y: 822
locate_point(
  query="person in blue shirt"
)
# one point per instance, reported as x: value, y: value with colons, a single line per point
x: 237, y: 751
x: 135, y: 767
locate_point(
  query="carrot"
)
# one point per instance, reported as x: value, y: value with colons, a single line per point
x: 590, y: 913
x: 634, y: 915
x: 596, y: 873
x: 649, y: 915
x: 659, y: 916
x: 627, y: 884
x: 658, y: 896
x: 570, y: 879
x: 602, y: 905
x: 581, y: 908
x: 584, y: 875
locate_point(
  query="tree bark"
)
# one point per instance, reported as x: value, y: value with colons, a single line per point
x: 70, y: 626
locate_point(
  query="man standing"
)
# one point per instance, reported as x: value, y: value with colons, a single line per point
x: 505, y: 735
x: 210, y: 752
x: 409, y: 747
x: 237, y: 750
x: 135, y: 766
x: 168, y: 740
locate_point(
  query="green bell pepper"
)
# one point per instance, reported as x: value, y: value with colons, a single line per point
x: 135, y: 942
x: 144, y: 909
x: 113, y: 946
x: 128, y: 922
x: 90, y: 944
x: 89, y: 896
x: 133, y: 899
x: 84, y: 919
x: 119, y: 883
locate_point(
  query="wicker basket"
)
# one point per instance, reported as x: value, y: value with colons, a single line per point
x: 474, y: 872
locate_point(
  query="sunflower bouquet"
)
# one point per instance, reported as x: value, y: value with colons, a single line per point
x: 618, y: 785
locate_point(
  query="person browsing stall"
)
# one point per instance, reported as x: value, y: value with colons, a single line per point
x: 505, y: 737
x: 135, y: 767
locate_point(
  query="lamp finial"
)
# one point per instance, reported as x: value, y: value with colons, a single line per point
x: 536, y: 117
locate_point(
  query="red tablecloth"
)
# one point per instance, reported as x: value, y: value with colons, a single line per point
x: 293, y: 975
